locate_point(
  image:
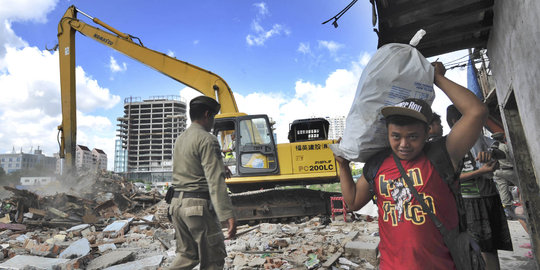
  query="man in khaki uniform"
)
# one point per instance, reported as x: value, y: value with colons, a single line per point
x: 200, y: 198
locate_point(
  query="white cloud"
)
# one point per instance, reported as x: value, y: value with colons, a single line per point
x: 260, y: 35
x: 171, y: 53
x: 195, y: 42
x: 331, y: 46
x: 333, y: 98
x: 263, y: 10
x: 304, y: 48
x: 19, y: 10
x: 30, y: 108
x: 23, y: 10
x: 115, y: 67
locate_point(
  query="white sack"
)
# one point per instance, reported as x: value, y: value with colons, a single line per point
x: 394, y: 73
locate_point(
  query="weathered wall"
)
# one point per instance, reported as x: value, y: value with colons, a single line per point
x: 514, y: 52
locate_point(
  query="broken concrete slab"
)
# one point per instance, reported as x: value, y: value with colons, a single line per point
x: 110, y: 259
x: 106, y: 247
x: 21, y: 238
x: 146, y: 263
x: 117, y: 228
x: 331, y: 260
x: 257, y: 262
x: 79, y: 227
x: 364, y: 250
x: 26, y: 261
x: 78, y: 248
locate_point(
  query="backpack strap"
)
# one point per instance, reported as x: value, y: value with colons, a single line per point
x: 372, y: 167
x: 438, y: 155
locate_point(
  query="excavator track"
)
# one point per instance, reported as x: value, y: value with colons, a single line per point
x: 278, y: 204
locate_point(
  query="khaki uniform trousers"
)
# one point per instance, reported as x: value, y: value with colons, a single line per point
x: 199, y: 238
x: 502, y: 178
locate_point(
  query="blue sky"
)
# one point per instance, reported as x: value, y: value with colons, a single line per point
x: 276, y: 56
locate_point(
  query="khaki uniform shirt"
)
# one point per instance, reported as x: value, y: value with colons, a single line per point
x: 198, y: 166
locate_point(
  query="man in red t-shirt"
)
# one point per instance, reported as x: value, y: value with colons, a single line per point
x: 409, y: 239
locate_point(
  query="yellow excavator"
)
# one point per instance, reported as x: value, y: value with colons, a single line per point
x: 257, y: 163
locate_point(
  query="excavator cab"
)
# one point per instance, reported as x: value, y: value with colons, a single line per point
x: 252, y: 143
x: 311, y: 129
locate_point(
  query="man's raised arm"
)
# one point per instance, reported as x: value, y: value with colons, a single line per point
x: 465, y: 132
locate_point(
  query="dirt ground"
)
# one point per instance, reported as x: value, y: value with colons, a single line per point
x: 516, y: 259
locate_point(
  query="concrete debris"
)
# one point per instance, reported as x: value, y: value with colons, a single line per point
x: 152, y: 262
x: 110, y: 259
x: 117, y: 228
x: 122, y: 244
x: 26, y: 262
x: 106, y: 247
x: 78, y: 248
x: 344, y: 261
x: 106, y: 224
x: 365, y: 249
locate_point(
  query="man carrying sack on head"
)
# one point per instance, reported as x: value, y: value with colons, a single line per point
x: 409, y: 237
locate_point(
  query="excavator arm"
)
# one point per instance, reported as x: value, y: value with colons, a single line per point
x: 202, y: 80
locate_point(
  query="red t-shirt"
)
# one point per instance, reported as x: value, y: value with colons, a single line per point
x: 409, y: 239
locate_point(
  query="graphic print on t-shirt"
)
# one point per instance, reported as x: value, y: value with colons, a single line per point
x: 401, y: 194
x: 401, y: 205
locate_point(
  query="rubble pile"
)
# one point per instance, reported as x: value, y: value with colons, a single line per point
x: 104, y: 223
x: 142, y: 243
x: 93, y: 199
x: 313, y: 244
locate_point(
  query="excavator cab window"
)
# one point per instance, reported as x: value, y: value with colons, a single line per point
x: 311, y: 129
x: 257, y: 149
x: 254, y: 150
x: 225, y: 131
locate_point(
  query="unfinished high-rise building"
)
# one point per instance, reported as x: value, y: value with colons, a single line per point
x: 148, y: 131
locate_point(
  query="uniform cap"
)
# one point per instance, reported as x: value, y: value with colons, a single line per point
x: 411, y: 107
x: 207, y: 101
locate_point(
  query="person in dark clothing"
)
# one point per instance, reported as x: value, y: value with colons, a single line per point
x: 486, y: 220
x: 435, y: 127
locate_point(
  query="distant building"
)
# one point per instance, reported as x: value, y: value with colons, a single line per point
x: 39, y: 180
x: 337, y: 126
x: 90, y: 160
x: 148, y: 131
x: 120, y: 157
x: 18, y: 161
x: 84, y: 160
x: 100, y: 159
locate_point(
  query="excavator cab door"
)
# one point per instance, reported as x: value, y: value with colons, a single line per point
x: 256, y: 149
x: 252, y: 141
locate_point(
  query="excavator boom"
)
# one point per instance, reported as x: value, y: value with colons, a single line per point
x: 202, y: 80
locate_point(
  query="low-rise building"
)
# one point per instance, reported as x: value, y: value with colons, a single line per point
x: 13, y: 161
x: 100, y: 159
x: 37, y: 180
x: 84, y: 160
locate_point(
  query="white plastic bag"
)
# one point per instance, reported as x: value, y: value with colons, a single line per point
x: 395, y: 72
